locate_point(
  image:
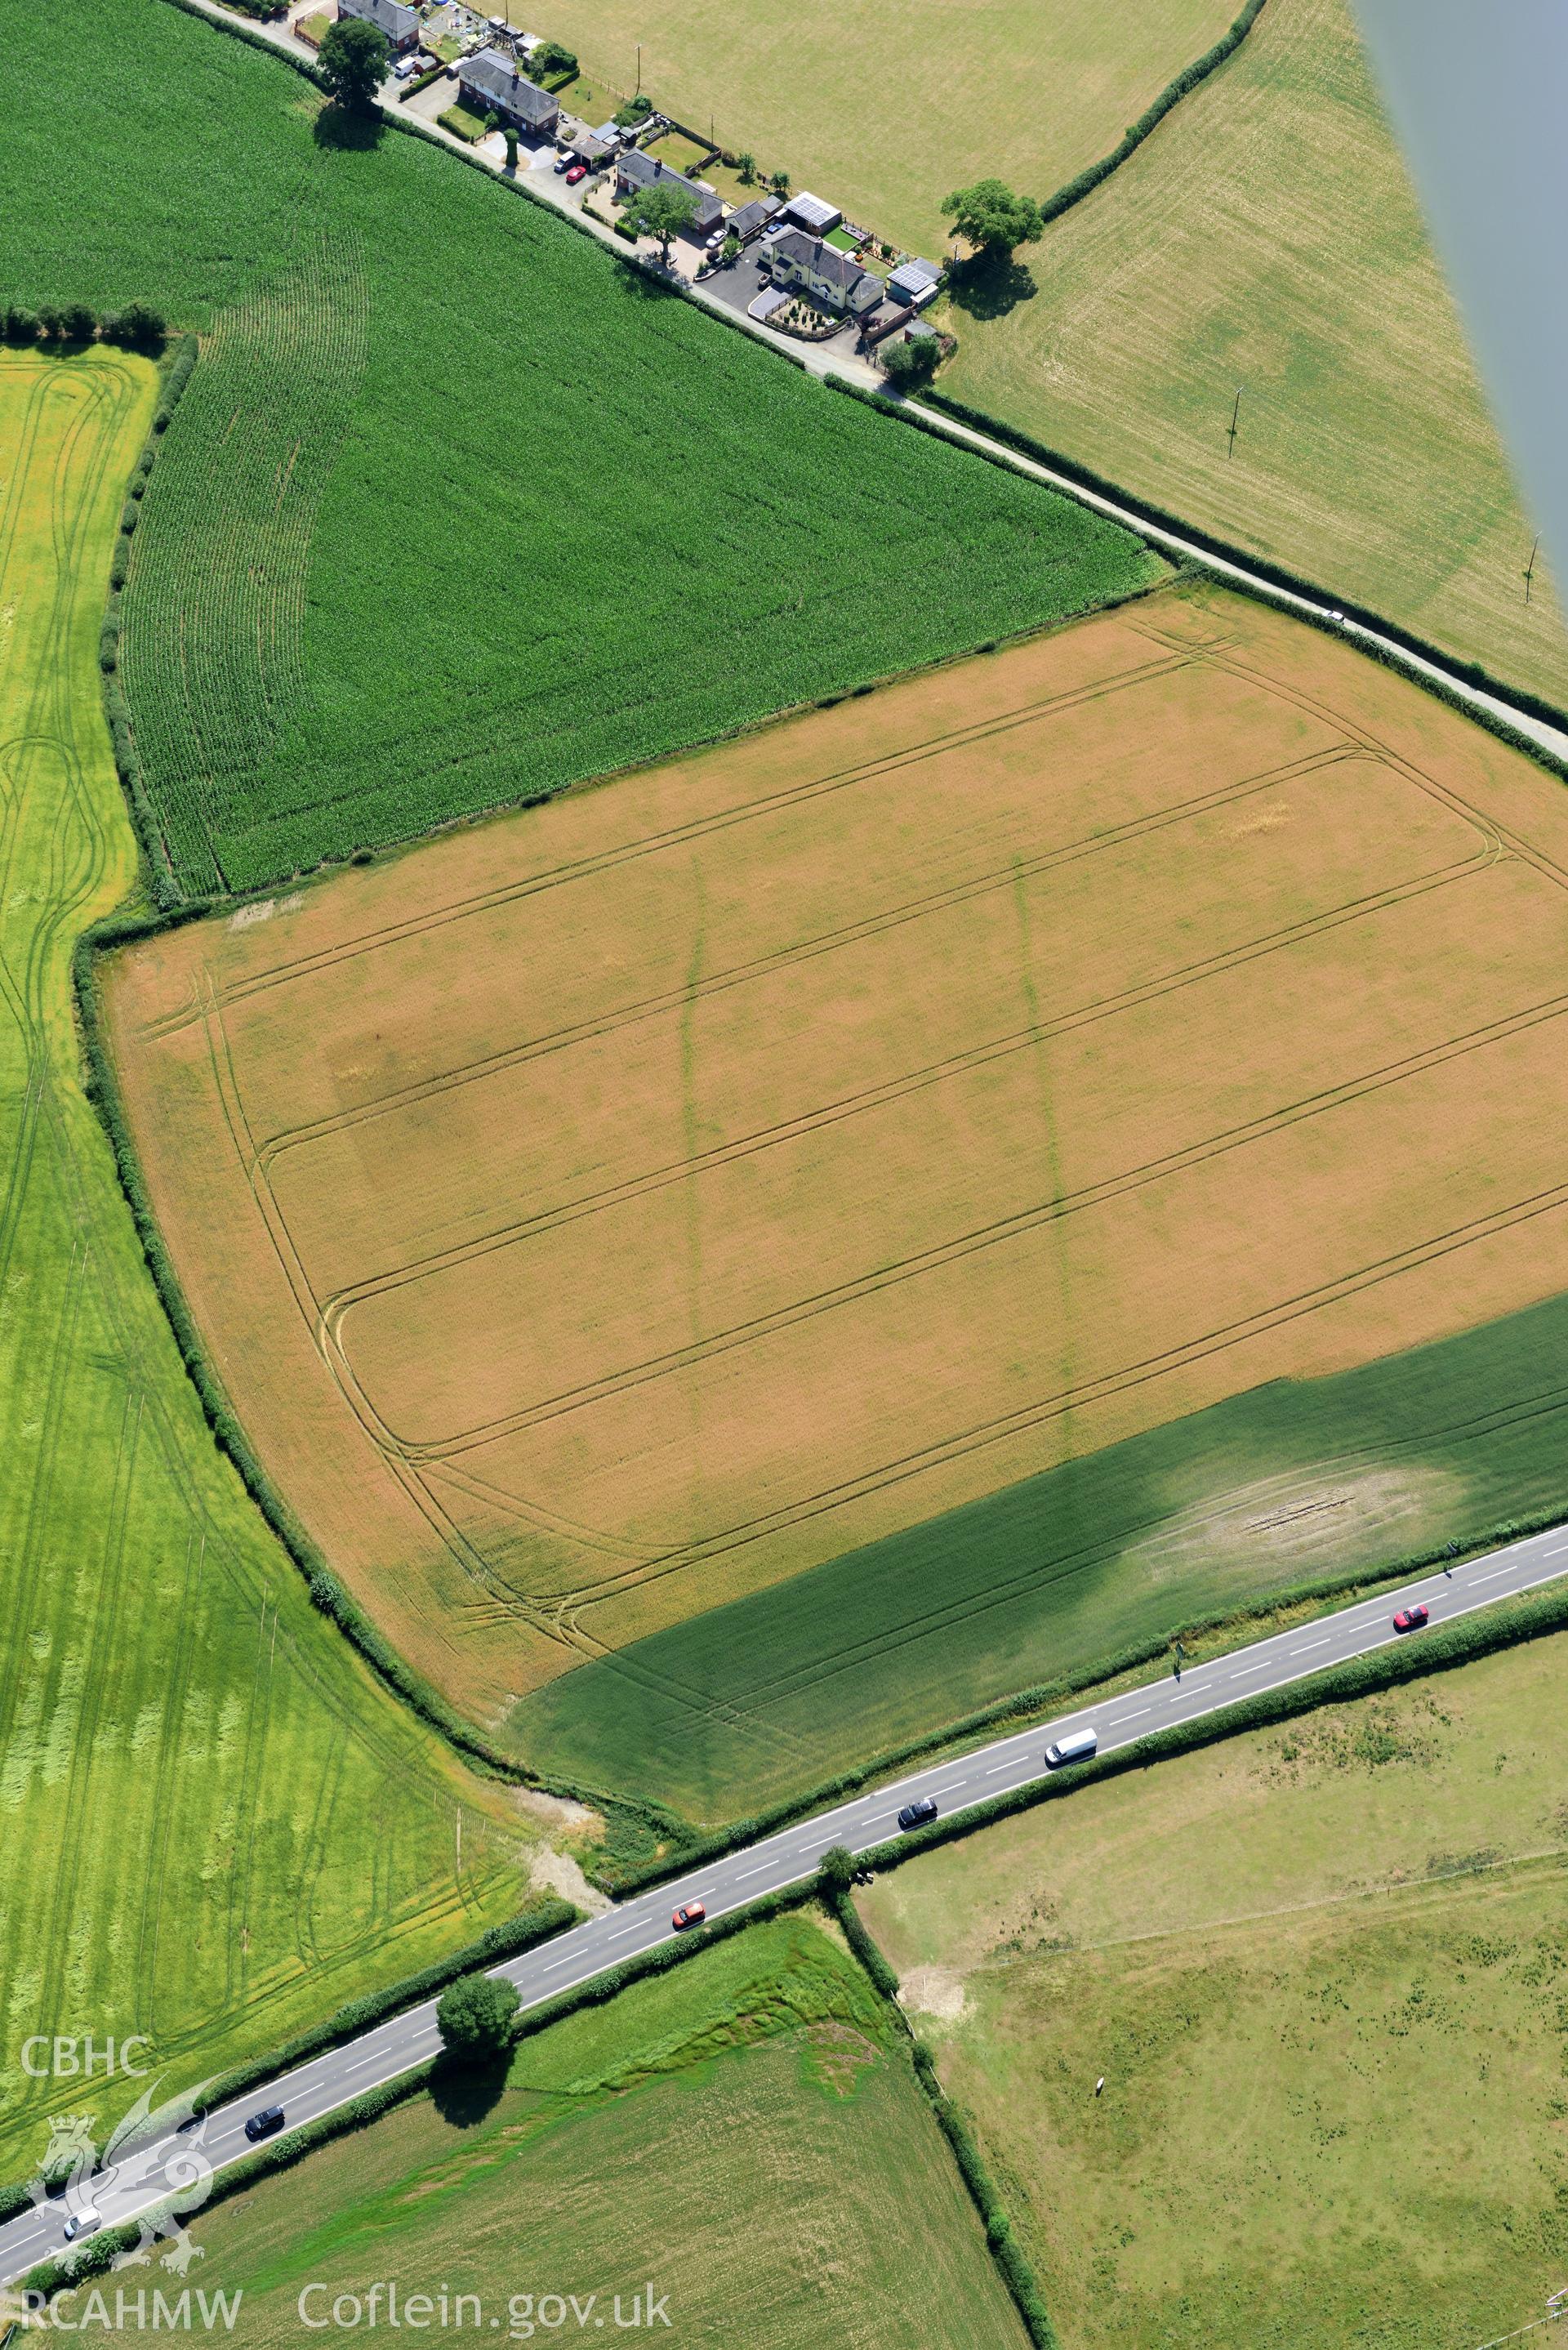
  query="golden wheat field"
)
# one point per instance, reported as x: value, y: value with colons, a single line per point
x: 609, y: 1211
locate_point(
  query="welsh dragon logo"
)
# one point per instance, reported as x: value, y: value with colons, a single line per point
x: 74, y: 2177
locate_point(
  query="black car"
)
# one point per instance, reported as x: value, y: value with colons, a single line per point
x: 266, y: 2124
x: 915, y: 1814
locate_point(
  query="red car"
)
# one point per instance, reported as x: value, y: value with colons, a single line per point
x: 690, y: 1913
x: 1409, y: 1619
x: 578, y: 172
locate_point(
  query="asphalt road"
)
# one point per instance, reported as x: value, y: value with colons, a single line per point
x: 407, y: 2040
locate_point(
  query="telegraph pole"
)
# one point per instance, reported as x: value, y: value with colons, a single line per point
x: 1235, y: 413
x: 1528, y: 570
x: 637, y: 92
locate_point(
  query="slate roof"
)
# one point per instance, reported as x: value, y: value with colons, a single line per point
x: 389, y: 17
x: 824, y: 261
x: 754, y: 215
x: 636, y: 170
x: 497, y: 78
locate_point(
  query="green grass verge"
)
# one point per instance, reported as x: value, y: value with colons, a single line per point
x: 748, y: 2133
x: 463, y: 124
x: 1321, y: 1970
x: 276, y: 728
x: 1075, y: 1573
x: 228, y: 1827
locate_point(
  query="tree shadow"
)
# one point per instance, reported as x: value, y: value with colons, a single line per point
x: 990, y: 285
x: 466, y: 2095
x: 345, y: 128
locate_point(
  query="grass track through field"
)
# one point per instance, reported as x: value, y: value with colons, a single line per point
x: 190, y: 1759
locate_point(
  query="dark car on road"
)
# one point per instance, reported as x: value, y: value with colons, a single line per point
x: 915, y: 1814
x: 1411, y: 1620
x: 266, y: 2124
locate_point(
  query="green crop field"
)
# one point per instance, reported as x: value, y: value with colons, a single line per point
x: 900, y: 103
x: 1321, y: 1970
x: 1267, y: 238
x: 744, y: 2138
x: 1284, y: 1484
x: 451, y: 518
x: 216, y: 1827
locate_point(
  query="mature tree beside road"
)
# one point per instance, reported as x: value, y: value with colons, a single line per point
x: 353, y: 63
x: 474, y: 2016
x: 661, y: 212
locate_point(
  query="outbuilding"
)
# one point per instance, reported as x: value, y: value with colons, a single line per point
x: 753, y: 218
x: 810, y: 212
x: 914, y: 281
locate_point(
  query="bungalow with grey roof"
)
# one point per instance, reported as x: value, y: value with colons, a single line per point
x: 400, y: 25
x: 491, y: 83
x: 634, y: 171
x: 835, y: 278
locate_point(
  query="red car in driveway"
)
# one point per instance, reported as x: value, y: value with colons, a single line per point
x: 1411, y: 1620
x: 578, y: 172
x: 690, y: 1913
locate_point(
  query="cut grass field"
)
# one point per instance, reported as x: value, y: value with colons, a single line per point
x: 449, y: 521
x: 1321, y: 1970
x: 745, y: 2138
x: 897, y: 105
x: 607, y: 1220
x: 217, y: 1827
x: 1267, y: 237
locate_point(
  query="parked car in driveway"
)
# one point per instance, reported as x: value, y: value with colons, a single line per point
x: 578, y: 172
x: 690, y: 1913
x: 1411, y: 1619
x: 915, y: 1814
x: 563, y: 160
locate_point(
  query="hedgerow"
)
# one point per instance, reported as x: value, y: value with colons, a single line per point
x: 1082, y: 183
x: 1016, y: 2270
x: 327, y: 644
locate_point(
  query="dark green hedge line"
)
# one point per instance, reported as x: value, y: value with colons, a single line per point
x: 1436, y: 1651
x: 326, y: 1591
x: 1077, y: 188
x: 1046, y: 1698
x: 178, y: 359
x: 242, y: 32
x: 539, y: 1923
x: 1014, y: 2268
x: 1275, y: 575
x: 98, y: 2254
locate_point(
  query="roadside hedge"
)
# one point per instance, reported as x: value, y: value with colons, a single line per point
x: 539, y: 1923
x: 1274, y: 574
x: 1082, y: 183
x: 1016, y: 2274
x: 1044, y: 1698
x: 1437, y: 1650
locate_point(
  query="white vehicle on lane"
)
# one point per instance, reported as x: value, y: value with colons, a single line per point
x: 1076, y: 1747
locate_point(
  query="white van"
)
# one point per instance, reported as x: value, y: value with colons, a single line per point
x: 1076, y: 1747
